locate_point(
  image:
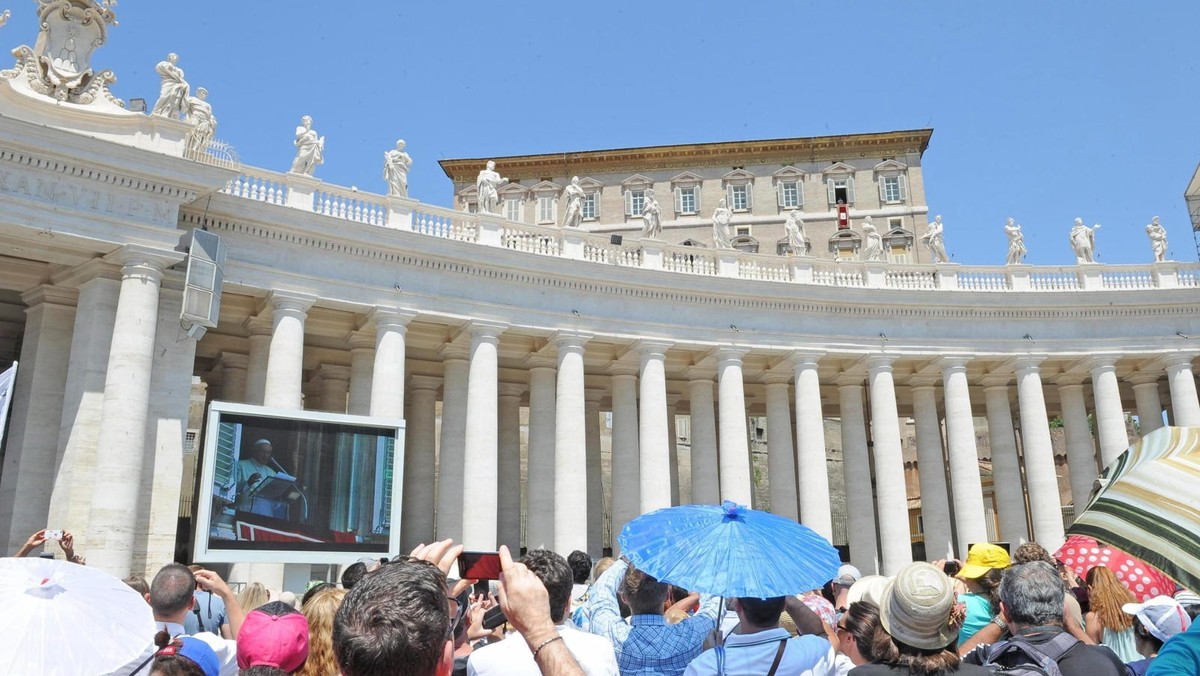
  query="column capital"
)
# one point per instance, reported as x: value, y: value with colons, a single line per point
x: 776, y: 378
x: 594, y: 396
x: 1069, y: 382
x: 1145, y: 381
x: 621, y: 368
x: 419, y: 382
x: 923, y: 382
x: 54, y: 295
x: 360, y: 340
x: 731, y: 353
x: 880, y: 362
x: 144, y: 258
x: 537, y: 360
x: 850, y: 379
x: 806, y: 358
x: 1026, y: 363
x: 483, y: 331
x: 385, y: 318
x: 1177, y: 360
x: 652, y: 348
x: 258, y: 325
x: 695, y: 373
x: 993, y: 381
x: 955, y: 361
x: 289, y: 301
x: 570, y: 340
x: 1102, y: 362
x: 511, y: 389
x: 233, y: 360
x: 333, y: 372
x: 450, y: 351
x: 96, y: 268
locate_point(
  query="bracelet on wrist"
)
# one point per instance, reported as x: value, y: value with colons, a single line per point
x: 545, y: 643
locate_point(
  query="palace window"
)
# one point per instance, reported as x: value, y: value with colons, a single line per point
x: 840, y: 190
x: 635, y: 201
x: 591, y: 206
x: 739, y: 197
x: 687, y: 200
x: 789, y: 194
x: 512, y: 209
x: 892, y: 189
x: 546, y: 209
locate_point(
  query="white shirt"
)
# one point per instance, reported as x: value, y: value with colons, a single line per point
x: 752, y: 655
x: 225, y: 649
x: 513, y: 656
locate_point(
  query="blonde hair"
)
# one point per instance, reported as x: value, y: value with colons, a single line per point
x: 253, y: 596
x: 1106, y: 595
x: 319, y: 612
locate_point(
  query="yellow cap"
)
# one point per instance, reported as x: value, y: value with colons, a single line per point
x: 982, y: 557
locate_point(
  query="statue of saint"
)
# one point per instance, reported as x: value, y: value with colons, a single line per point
x: 1158, y: 239
x: 172, y: 98
x: 4, y: 17
x: 487, y: 184
x: 933, y: 238
x: 395, y: 170
x: 1016, y: 243
x: 872, y: 242
x: 310, y: 148
x: 797, y: 240
x: 721, y: 217
x: 204, y: 125
x: 651, y: 217
x: 1083, y: 241
x: 574, y: 196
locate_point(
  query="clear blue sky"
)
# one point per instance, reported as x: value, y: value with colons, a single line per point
x: 1041, y: 110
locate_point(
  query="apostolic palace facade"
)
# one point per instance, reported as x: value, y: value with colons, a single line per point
x: 504, y: 340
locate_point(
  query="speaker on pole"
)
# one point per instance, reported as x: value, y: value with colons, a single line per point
x: 202, y: 286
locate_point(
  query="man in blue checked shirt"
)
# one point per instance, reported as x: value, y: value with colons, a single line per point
x: 647, y: 644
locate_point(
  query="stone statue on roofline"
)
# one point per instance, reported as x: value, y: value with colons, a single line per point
x: 872, y: 249
x: 1016, y: 243
x: 721, y: 218
x: 1158, y: 240
x: 396, y: 164
x: 310, y: 148
x: 173, y: 94
x: 198, y: 113
x: 797, y: 239
x: 651, y: 217
x: 59, y: 65
x: 4, y: 17
x: 935, y: 240
x: 1083, y: 241
x: 488, y: 185
x: 573, y: 215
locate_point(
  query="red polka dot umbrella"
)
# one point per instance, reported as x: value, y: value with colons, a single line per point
x: 1081, y: 554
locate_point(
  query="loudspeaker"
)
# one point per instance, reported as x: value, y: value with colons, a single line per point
x: 202, y: 290
x: 614, y: 239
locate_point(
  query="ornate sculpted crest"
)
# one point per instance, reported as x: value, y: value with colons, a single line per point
x: 60, y: 62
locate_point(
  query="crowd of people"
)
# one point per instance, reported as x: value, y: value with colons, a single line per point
x: 992, y: 613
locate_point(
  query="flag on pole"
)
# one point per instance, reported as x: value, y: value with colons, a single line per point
x: 7, y: 380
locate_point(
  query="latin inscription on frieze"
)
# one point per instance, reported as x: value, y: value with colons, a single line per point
x: 85, y: 196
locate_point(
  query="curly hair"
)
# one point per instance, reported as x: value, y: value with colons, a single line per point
x: 1106, y: 595
x: 319, y: 611
x: 1031, y: 551
x: 989, y: 582
x: 918, y: 661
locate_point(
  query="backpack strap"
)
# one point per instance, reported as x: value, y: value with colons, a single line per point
x: 1056, y: 647
x: 778, y: 656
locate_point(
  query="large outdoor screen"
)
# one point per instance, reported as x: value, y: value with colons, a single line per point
x: 281, y: 486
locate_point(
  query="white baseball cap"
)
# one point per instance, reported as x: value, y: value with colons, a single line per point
x: 1162, y: 616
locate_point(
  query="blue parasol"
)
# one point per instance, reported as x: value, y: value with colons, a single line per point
x: 729, y: 550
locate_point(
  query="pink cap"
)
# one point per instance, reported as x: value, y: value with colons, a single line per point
x: 279, y: 641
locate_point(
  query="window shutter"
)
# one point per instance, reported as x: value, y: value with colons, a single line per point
x: 882, y: 180
x: 678, y: 200
x: 850, y: 190
x: 799, y: 191
x: 749, y: 196
x: 779, y: 201
x: 832, y: 192
x: 696, y: 191
x: 628, y: 202
x: 729, y: 196
x: 903, y: 188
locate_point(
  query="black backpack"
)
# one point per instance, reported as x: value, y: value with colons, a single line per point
x: 1017, y: 657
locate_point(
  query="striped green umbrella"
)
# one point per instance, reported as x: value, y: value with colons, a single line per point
x: 1148, y: 504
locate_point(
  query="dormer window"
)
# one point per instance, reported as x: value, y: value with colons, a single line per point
x: 789, y: 188
x: 893, y: 183
x: 739, y: 195
x: 839, y: 183
x: 686, y: 187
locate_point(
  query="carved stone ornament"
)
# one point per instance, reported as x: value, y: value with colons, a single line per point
x: 4, y: 17
x: 60, y: 63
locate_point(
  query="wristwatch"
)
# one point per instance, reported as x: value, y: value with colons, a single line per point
x: 999, y: 622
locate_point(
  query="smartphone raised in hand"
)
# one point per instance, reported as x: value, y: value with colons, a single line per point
x: 53, y: 534
x: 479, y: 566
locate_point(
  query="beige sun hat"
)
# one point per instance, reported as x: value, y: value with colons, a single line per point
x: 916, y: 606
x: 869, y: 588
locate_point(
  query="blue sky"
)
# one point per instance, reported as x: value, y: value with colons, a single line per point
x: 1043, y: 111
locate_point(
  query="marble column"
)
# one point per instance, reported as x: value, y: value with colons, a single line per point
x: 508, y: 474
x: 387, y: 376
x: 539, y: 478
x: 335, y: 386
x: 811, y: 470
x: 781, y: 454
x: 965, y: 484
x: 1045, y: 507
x: 706, y: 484
x: 234, y: 368
x: 362, y: 371
x: 285, y: 363
x: 673, y: 444
x: 626, y: 462
x: 91, y: 341
x: 654, y: 470
x: 856, y: 466
x: 259, y: 329
x: 1007, y: 483
x: 452, y: 446
x: 1110, y: 413
x: 1149, y: 403
x: 311, y: 391
x: 931, y: 470
x: 121, y: 446
x: 895, y: 535
x: 37, y: 411
x: 734, y: 436
x: 481, y: 443
x: 1081, y: 448
x: 571, y: 514
x: 595, y: 474
x: 420, y: 462
x: 1184, y: 402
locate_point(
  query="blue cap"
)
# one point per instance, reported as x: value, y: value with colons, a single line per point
x: 197, y: 651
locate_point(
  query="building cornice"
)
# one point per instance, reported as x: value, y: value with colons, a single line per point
x: 729, y: 153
